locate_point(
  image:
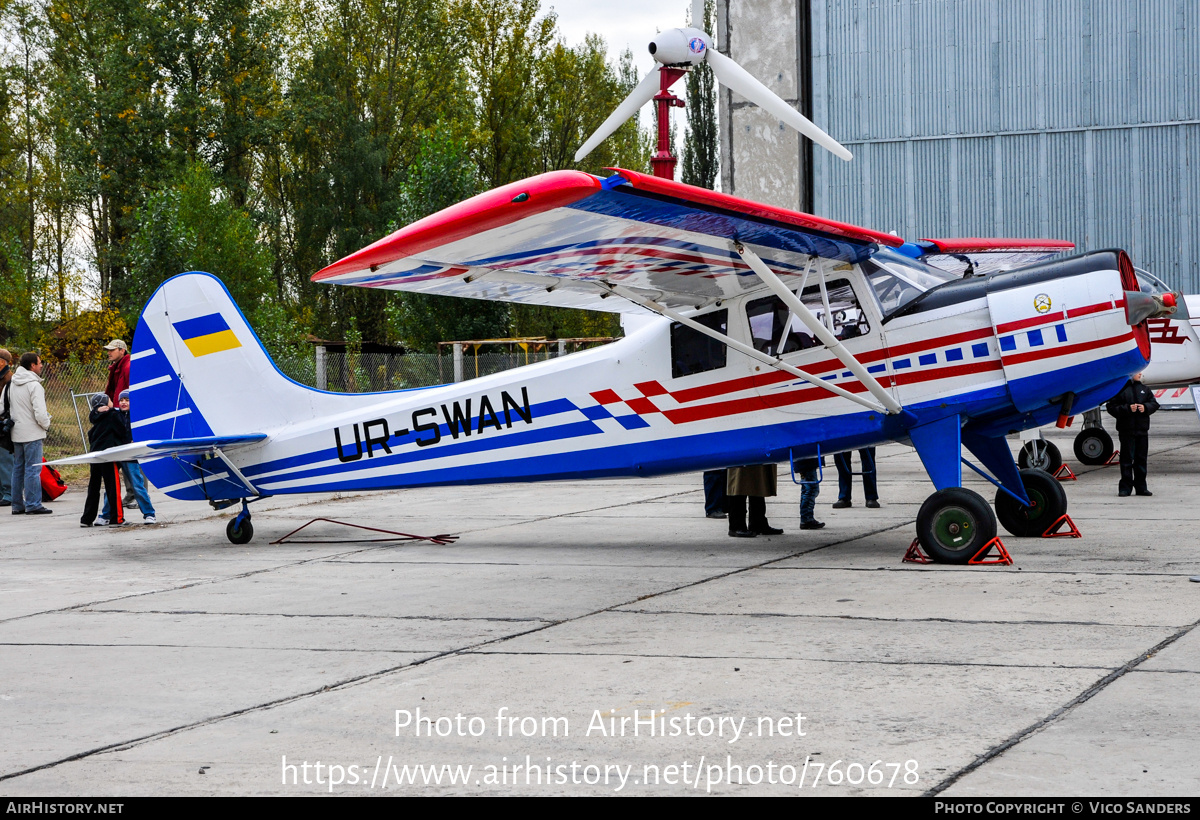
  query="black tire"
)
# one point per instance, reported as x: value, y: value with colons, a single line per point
x: 239, y: 535
x: 1040, y: 455
x: 954, y: 524
x: 1049, y: 502
x: 1094, y: 446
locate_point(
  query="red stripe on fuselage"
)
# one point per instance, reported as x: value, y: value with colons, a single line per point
x: 1084, y: 311
x: 811, y: 393
x: 1066, y: 350
x: 1020, y: 324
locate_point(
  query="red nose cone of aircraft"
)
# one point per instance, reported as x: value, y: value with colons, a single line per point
x: 1169, y: 299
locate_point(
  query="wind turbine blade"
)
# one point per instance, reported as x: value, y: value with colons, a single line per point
x: 733, y: 76
x: 698, y: 14
x: 641, y: 95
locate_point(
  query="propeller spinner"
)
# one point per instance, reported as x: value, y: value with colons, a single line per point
x: 689, y: 47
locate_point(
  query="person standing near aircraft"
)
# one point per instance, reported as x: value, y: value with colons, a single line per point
x: 846, y: 479
x: 714, y: 493
x: 754, y: 482
x: 810, y: 488
x: 118, y: 382
x: 108, y: 430
x: 27, y: 406
x: 6, y: 456
x: 1132, y: 408
x: 133, y: 470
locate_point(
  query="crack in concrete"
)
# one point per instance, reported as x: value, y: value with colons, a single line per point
x: 797, y: 658
x: 875, y: 618
x: 1059, y: 713
x: 309, y: 615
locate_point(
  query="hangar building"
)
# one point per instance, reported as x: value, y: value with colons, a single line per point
x: 1066, y: 119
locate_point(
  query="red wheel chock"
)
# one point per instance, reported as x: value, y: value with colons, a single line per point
x: 1071, y: 530
x: 1113, y: 459
x: 1002, y: 557
x: 916, y: 555
x: 1064, y: 474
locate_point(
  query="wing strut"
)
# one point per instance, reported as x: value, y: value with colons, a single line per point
x: 236, y: 472
x: 771, y: 361
x: 823, y: 333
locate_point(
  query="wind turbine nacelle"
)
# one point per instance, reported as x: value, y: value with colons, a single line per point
x: 680, y: 46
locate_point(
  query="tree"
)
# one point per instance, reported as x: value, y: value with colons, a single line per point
x: 369, y: 76
x: 700, y: 155
x: 442, y: 174
x: 192, y: 225
x: 506, y: 42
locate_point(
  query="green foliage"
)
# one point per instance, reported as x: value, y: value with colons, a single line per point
x: 442, y: 174
x: 192, y: 225
x: 700, y: 153
x: 264, y: 140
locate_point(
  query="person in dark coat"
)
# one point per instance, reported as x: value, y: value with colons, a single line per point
x: 1132, y: 408
x: 109, y: 429
x: 754, y: 482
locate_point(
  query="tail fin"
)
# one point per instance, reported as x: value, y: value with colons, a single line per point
x: 197, y: 369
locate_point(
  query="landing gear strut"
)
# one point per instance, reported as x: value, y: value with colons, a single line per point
x: 954, y: 524
x: 240, y: 530
x: 1039, y: 454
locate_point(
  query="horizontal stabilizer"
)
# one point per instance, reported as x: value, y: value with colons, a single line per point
x: 147, y: 450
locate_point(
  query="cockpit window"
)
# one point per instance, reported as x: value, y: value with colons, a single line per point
x: 776, y: 331
x: 694, y: 352
x: 897, y: 280
x: 1150, y: 283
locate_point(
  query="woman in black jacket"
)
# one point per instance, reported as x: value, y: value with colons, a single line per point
x: 1132, y: 408
x: 109, y: 429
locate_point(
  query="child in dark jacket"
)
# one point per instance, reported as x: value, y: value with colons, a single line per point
x: 109, y: 429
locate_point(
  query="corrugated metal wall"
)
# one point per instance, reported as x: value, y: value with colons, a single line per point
x: 1072, y: 119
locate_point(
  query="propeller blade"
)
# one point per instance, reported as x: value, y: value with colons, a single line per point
x: 641, y: 95
x: 733, y: 76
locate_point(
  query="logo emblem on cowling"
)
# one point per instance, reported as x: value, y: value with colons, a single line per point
x: 1041, y: 303
x: 696, y: 45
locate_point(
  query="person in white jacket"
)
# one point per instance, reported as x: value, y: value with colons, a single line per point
x: 27, y: 407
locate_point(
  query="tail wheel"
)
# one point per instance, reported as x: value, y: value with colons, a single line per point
x: 1040, y: 454
x: 1049, y: 503
x: 954, y: 524
x: 239, y: 534
x: 1093, y: 446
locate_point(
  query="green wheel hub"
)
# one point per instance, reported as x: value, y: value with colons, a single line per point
x: 954, y: 527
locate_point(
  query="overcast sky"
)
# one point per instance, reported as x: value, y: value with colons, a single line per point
x: 622, y: 23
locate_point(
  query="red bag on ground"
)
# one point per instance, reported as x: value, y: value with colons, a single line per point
x: 52, y: 484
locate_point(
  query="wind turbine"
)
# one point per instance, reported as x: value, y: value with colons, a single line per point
x: 677, y: 50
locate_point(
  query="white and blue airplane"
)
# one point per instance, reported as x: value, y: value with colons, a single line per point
x: 755, y: 335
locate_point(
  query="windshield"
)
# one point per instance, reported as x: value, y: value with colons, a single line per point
x: 897, y: 280
x: 1150, y: 283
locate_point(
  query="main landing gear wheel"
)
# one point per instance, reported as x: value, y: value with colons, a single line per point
x: 1094, y: 446
x: 239, y: 534
x: 1049, y: 504
x: 1040, y: 455
x: 954, y: 524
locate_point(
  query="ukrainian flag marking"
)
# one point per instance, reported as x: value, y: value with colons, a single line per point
x: 206, y: 334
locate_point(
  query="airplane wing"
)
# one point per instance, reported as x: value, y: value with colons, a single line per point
x: 147, y: 450
x: 991, y: 254
x: 559, y: 238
